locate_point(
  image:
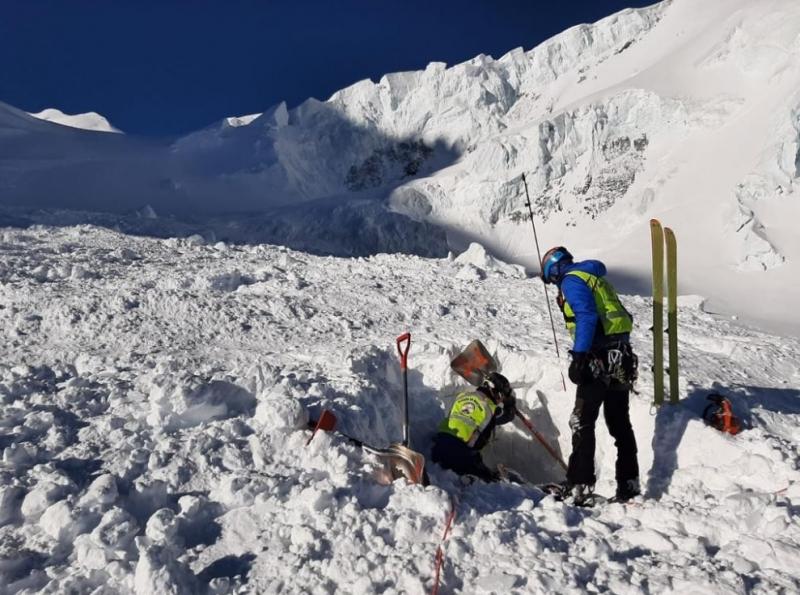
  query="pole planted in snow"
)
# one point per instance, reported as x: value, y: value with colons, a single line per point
x: 546, y: 296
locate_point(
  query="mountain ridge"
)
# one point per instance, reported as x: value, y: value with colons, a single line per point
x: 85, y: 121
x: 676, y: 111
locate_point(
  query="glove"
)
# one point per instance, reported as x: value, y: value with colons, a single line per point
x: 580, y: 371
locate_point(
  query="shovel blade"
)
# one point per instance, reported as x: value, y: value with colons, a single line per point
x: 398, y: 462
x: 326, y: 423
x: 474, y: 363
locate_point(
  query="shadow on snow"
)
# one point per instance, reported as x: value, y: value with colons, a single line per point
x: 317, y: 183
x: 748, y: 403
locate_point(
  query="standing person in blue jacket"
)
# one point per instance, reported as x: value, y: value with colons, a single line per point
x: 603, y: 367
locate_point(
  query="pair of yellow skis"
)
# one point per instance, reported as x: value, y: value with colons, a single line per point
x: 661, y: 237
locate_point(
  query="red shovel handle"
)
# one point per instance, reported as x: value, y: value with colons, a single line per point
x: 405, y: 337
x: 551, y: 451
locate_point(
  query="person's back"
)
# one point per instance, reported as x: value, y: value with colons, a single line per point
x: 593, y: 311
x: 467, y: 428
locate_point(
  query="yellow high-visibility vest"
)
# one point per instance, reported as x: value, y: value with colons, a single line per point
x: 613, y: 315
x: 469, y: 416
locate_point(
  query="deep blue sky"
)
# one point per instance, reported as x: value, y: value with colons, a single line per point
x: 160, y: 67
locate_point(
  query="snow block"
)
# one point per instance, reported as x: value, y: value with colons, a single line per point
x: 188, y: 402
x: 280, y: 412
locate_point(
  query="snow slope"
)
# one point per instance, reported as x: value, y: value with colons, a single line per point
x: 155, y: 395
x: 685, y: 111
x: 45, y: 165
x: 87, y: 121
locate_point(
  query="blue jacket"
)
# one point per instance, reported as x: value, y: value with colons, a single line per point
x: 588, y: 330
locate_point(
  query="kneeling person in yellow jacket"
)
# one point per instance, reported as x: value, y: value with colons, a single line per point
x: 469, y: 425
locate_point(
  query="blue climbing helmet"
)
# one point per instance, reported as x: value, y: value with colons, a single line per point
x: 553, y: 263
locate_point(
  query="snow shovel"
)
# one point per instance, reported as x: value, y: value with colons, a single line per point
x: 399, y: 460
x: 326, y: 423
x: 474, y: 364
x: 395, y: 462
x: 404, y: 338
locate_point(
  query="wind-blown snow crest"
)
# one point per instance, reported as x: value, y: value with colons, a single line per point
x: 236, y: 121
x: 469, y: 102
x: 87, y: 121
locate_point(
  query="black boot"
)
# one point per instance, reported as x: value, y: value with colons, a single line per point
x: 626, y: 490
x: 576, y: 494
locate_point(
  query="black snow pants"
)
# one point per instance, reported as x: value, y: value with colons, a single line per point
x: 614, y: 399
x: 452, y: 453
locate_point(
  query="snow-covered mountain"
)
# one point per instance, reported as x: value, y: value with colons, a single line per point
x: 683, y: 111
x: 156, y: 391
x: 87, y: 121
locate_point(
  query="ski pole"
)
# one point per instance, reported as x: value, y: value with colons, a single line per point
x: 405, y: 337
x: 546, y: 296
x: 542, y: 440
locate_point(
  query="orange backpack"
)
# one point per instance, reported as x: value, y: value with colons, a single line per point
x: 719, y: 414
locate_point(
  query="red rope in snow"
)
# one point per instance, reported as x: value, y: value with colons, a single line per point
x: 439, y: 559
